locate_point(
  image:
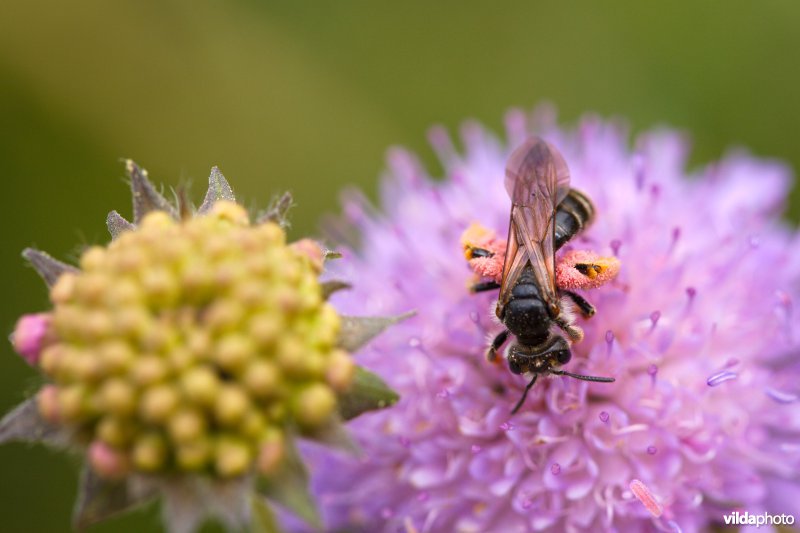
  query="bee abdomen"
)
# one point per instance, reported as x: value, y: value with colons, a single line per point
x: 574, y: 213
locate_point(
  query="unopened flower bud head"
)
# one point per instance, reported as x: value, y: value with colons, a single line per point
x: 195, y: 346
x: 181, y: 343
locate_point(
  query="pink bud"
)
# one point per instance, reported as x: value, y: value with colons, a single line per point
x: 31, y: 335
x: 47, y: 402
x: 312, y: 250
x: 107, y: 462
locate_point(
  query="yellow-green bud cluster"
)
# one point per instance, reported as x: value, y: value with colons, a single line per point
x: 190, y: 346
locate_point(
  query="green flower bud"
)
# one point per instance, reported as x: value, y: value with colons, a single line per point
x: 201, y: 386
x: 233, y: 351
x: 93, y: 258
x: 200, y: 344
x: 132, y: 321
x: 150, y: 452
x: 95, y: 326
x: 186, y: 425
x: 158, y: 403
x: 230, y: 212
x: 224, y: 315
x: 117, y: 396
x: 263, y: 379
x: 314, y: 405
x: 341, y: 370
x: 291, y: 353
x: 73, y: 402
x: 93, y: 288
x: 159, y: 337
x: 232, y: 456
x: 150, y: 369
x: 231, y: 405
x: 253, y: 425
x: 63, y: 289
x: 197, y: 282
x: 52, y: 358
x: 87, y: 366
x: 265, y: 329
x: 180, y: 359
x: 123, y: 293
x: 115, y: 431
x: 116, y: 356
x: 194, y: 454
x: 157, y: 220
x: 160, y: 287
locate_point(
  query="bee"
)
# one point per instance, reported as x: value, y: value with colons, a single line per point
x: 545, y: 214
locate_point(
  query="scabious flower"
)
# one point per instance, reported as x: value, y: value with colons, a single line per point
x: 186, y: 357
x: 698, y: 329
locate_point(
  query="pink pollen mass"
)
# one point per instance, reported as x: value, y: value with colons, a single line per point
x: 600, y: 270
x: 597, y: 270
x: 644, y: 495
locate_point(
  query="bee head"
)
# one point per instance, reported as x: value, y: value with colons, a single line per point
x: 523, y: 359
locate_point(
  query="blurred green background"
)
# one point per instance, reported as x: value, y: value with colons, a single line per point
x: 307, y: 96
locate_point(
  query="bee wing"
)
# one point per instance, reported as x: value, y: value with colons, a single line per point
x: 537, y: 179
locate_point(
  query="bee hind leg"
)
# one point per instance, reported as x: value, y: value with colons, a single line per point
x: 498, y: 341
x: 586, y: 309
x: 484, y: 286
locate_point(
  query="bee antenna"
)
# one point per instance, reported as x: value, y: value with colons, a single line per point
x: 524, y: 394
x: 598, y: 379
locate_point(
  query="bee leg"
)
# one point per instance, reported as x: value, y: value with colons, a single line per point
x: 498, y: 341
x: 524, y: 394
x: 587, y: 309
x: 480, y: 252
x: 484, y: 286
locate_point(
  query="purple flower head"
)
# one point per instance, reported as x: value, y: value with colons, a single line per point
x: 698, y: 330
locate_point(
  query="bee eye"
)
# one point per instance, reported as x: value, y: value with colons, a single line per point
x: 563, y: 356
